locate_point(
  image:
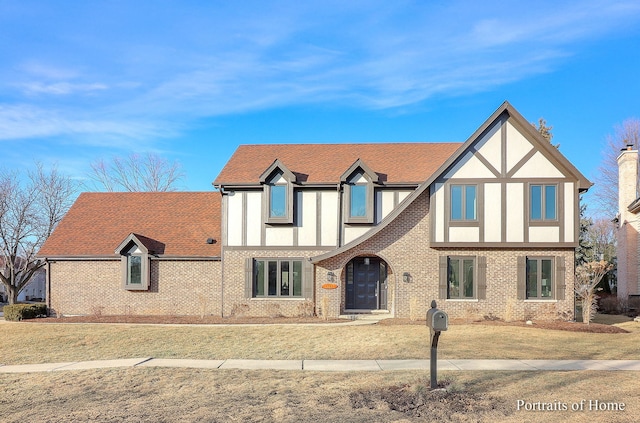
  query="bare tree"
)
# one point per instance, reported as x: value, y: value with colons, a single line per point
x: 602, y: 236
x: 545, y: 130
x: 136, y: 173
x: 587, y: 276
x: 606, y: 190
x: 29, y: 212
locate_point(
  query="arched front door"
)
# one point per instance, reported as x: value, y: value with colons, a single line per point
x: 366, y: 287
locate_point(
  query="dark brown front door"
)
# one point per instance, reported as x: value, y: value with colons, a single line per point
x: 363, y: 284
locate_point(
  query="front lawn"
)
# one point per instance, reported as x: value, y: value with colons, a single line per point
x: 32, y: 342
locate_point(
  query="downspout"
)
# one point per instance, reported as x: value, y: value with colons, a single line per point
x: 48, y: 286
x: 340, y: 214
x: 223, y: 235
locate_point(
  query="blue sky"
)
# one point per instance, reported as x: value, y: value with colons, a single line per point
x: 191, y: 80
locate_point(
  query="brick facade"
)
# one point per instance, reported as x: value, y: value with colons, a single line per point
x: 177, y: 287
x: 238, y: 303
x: 404, y: 246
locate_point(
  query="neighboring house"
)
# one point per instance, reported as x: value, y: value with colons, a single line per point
x: 487, y: 227
x: 136, y: 253
x: 34, y: 290
x: 628, y: 248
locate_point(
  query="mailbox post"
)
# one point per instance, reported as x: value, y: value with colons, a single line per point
x: 437, y: 320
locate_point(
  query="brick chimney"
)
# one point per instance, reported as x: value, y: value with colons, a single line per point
x: 627, y: 235
x: 627, y: 181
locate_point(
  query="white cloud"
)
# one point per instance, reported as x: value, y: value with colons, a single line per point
x: 62, y: 88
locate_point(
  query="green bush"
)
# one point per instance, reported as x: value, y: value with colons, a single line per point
x: 17, y: 312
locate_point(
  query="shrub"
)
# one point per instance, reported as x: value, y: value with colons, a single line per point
x: 306, y: 309
x: 610, y: 304
x: 17, y: 312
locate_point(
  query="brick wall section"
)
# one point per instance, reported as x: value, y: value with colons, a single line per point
x: 627, y: 236
x: 95, y: 287
x: 404, y: 245
x: 236, y: 303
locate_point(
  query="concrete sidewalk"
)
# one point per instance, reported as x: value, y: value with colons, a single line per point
x: 335, y: 365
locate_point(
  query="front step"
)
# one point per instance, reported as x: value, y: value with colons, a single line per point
x: 375, y: 315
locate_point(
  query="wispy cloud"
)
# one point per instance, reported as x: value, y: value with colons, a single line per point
x: 221, y: 60
x: 27, y: 121
x: 62, y: 88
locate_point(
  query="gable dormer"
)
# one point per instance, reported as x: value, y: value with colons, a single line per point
x: 277, y: 182
x: 358, y: 184
x: 134, y: 254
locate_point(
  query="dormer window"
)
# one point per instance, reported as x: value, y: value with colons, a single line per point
x: 358, y: 183
x: 277, y: 183
x: 278, y: 199
x: 358, y: 200
x: 134, y: 262
x: 134, y: 266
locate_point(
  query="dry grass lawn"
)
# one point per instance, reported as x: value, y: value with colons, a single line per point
x: 25, y: 343
x: 187, y: 395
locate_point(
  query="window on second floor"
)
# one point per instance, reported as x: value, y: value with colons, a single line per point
x: 358, y: 200
x: 278, y: 201
x: 464, y: 202
x: 543, y: 202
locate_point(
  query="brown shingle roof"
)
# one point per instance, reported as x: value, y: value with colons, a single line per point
x: 97, y: 223
x: 325, y: 163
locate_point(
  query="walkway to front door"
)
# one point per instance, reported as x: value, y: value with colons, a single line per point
x: 366, y: 284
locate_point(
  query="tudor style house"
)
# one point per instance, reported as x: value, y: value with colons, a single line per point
x: 487, y: 227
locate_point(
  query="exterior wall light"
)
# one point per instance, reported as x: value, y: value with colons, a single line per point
x: 331, y: 277
x: 406, y: 277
